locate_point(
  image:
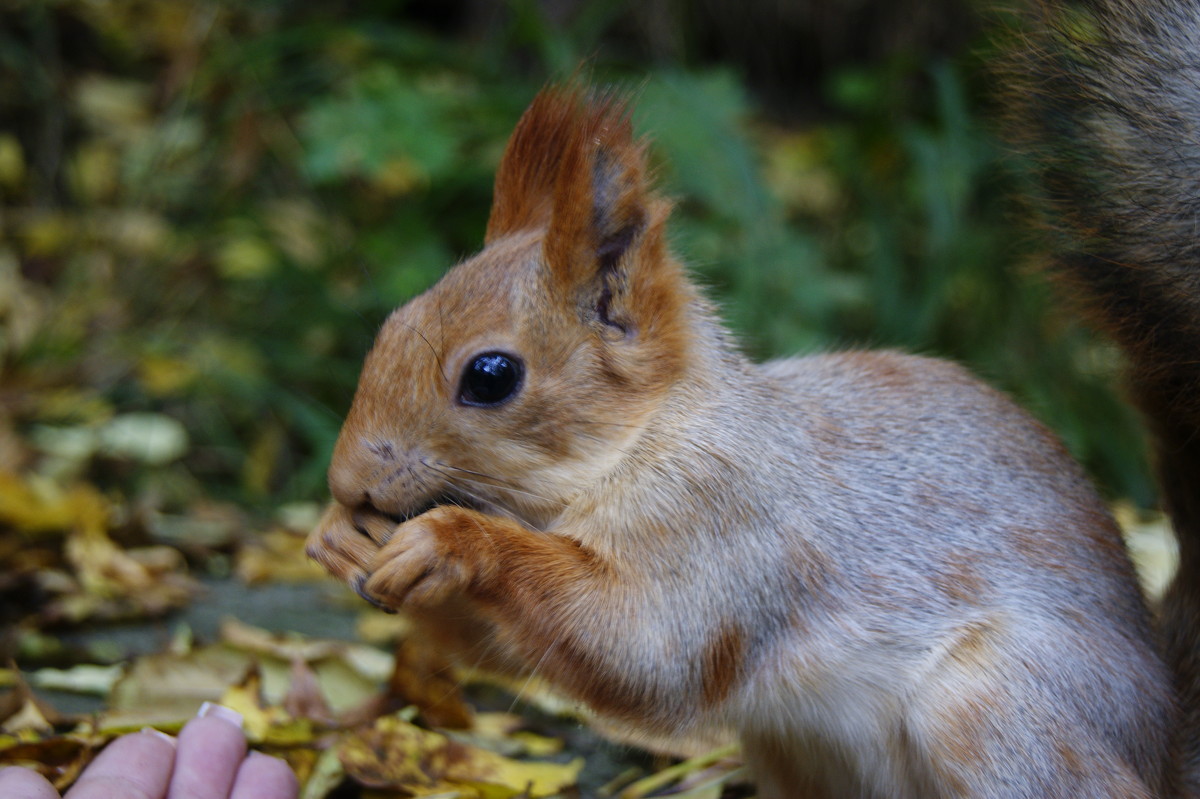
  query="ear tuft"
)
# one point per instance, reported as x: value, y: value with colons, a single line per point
x: 549, y: 129
x: 574, y: 168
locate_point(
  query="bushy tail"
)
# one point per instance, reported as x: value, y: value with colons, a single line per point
x: 1109, y: 94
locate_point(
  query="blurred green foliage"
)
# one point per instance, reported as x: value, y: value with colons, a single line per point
x: 209, y: 208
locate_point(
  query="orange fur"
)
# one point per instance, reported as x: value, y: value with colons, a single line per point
x: 881, y: 575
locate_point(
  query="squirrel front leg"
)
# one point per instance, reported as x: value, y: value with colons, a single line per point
x: 448, y: 550
x: 445, y: 551
x: 497, y: 562
x: 565, y: 610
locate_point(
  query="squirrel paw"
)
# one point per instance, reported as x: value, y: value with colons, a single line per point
x: 342, y: 545
x: 424, y: 561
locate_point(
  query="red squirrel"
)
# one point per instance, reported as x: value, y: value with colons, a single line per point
x: 879, y: 574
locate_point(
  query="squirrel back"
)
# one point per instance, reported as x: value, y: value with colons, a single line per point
x: 1109, y: 100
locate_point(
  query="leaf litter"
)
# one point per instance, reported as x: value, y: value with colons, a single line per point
x: 340, y: 713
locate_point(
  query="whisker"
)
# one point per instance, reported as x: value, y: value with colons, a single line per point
x: 495, y: 480
x: 445, y: 465
x: 436, y: 355
x: 534, y: 671
x: 496, y: 485
x: 595, y: 423
x: 471, y: 495
x: 458, y: 484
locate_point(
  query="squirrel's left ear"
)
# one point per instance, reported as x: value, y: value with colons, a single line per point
x: 574, y: 166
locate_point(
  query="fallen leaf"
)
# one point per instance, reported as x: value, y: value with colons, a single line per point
x: 83, y: 679
x: 277, y: 556
x: 304, y: 698
x: 151, y: 438
x: 58, y: 759
x: 21, y: 711
x: 170, y: 687
x: 348, y: 675
x: 502, y: 733
x: 265, y: 723
x: 398, y: 755
x: 327, y: 774
x: 723, y: 772
x: 425, y: 678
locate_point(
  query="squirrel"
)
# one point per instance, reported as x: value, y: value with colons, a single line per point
x: 879, y: 574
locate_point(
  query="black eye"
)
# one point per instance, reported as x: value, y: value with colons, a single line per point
x: 490, y: 379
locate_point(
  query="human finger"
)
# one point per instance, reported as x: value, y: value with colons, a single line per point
x: 23, y: 783
x: 135, y: 766
x: 264, y: 777
x: 211, y: 748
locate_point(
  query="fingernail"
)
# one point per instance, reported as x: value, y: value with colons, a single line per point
x: 160, y: 735
x: 220, y: 712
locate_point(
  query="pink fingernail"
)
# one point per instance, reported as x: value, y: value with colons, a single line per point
x: 221, y: 712
x: 160, y: 735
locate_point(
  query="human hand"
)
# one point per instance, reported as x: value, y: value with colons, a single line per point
x: 207, y: 761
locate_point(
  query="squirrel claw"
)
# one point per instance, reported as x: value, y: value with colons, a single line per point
x: 358, y: 584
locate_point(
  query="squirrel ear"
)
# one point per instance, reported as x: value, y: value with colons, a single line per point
x: 574, y: 168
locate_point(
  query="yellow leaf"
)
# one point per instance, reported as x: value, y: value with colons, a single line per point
x: 536, y: 745
x: 119, y: 108
x: 327, y: 774
x: 73, y: 404
x: 94, y: 171
x: 245, y: 258
x: 35, y: 505
x: 678, y: 771
x: 12, y: 161
x: 396, y: 754
x: 165, y: 377
x: 246, y: 698
x: 48, y: 233
x: 798, y: 172
x: 259, y: 466
x: 400, y: 176
x: 101, y: 566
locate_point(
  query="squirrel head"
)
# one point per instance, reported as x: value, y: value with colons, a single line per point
x: 528, y: 369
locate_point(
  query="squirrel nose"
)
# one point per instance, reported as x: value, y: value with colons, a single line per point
x: 357, y: 468
x: 350, y: 472
x: 347, y: 486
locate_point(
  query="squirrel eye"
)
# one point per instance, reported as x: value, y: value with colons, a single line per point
x: 490, y: 379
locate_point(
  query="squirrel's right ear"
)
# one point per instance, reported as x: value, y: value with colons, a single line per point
x: 574, y: 168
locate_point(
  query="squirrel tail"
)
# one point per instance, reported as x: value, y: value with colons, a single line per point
x: 1108, y: 98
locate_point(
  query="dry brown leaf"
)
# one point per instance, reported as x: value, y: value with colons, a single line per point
x: 397, y: 755
x: 348, y: 675
x: 277, y: 556
x: 285, y: 647
x: 304, y: 698
x: 424, y: 678
x: 21, y: 711
x: 168, y: 688
x: 57, y: 759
